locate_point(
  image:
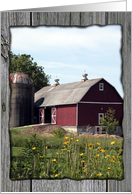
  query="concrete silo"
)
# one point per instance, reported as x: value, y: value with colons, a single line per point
x: 22, y: 100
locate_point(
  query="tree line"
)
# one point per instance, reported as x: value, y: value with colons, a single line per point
x: 24, y: 64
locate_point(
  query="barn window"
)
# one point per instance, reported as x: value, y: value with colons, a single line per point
x: 101, y: 86
x: 100, y: 115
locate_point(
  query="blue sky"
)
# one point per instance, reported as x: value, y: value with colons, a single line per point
x: 66, y: 52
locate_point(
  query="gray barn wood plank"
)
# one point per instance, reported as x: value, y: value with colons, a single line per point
x: 68, y: 185
x: 19, y: 18
x: 63, y: 18
x: 75, y: 19
x: 44, y: 18
x: 113, y: 16
x: 6, y: 184
x: 125, y: 20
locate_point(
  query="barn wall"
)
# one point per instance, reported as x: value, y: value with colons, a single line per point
x: 66, y: 115
x: 109, y: 94
x: 88, y: 113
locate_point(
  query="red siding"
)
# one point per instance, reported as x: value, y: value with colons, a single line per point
x: 66, y: 115
x: 109, y: 94
x: 88, y: 113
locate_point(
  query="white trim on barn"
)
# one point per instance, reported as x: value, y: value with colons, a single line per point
x: 101, y: 102
x: 53, y: 115
x: 41, y: 115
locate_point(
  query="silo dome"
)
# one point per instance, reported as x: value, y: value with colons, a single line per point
x: 19, y: 78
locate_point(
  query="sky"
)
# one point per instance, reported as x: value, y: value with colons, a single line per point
x: 67, y: 52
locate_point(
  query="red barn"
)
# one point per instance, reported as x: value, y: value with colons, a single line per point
x: 79, y: 104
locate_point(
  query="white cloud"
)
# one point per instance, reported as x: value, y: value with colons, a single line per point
x: 61, y: 65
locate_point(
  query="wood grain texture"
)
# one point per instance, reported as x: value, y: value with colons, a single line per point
x: 68, y: 185
x: 65, y: 19
x: 124, y: 19
x: 6, y: 184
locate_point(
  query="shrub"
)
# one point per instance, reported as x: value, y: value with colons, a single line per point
x: 58, y: 133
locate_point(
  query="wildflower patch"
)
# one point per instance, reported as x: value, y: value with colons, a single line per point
x: 70, y: 156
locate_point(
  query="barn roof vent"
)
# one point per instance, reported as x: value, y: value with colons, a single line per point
x: 84, y: 77
x: 56, y: 82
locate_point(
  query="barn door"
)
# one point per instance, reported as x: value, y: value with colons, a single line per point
x: 41, y: 116
x: 53, y: 116
x: 97, y: 129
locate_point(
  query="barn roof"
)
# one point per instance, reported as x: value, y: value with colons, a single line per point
x: 69, y: 93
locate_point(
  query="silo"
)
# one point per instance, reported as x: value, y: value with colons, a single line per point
x: 22, y: 100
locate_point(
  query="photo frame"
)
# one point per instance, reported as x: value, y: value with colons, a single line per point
x: 65, y: 19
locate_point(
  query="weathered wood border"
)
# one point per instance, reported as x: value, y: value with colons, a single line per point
x: 65, y: 19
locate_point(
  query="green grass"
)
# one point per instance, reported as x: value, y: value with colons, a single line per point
x: 77, y: 160
x: 18, y: 130
x: 15, y: 151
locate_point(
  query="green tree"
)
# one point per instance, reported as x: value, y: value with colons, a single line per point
x: 109, y: 122
x: 24, y: 64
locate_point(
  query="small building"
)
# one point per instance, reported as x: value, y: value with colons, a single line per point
x: 76, y: 105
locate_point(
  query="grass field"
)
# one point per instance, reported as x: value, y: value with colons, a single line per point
x: 67, y: 157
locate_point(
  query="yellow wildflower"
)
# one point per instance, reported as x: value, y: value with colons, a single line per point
x: 108, y: 168
x: 90, y: 159
x: 33, y: 148
x: 56, y: 175
x: 63, y: 149
x: 113, y: 142
x: 68, y: 150
x: 112, y: 160
x: 66, y: 137
x: 81, y: 154
x: 98, y: 148
x: 83, y: 170
x: 90, y: 144
x: 46, y: 147
x: 19, y: 149
x: 17, y: 153
x: 102, y: 150
x: 90, y: 163
x: 41, y: 156
x: 77, y: 140
x: 90, y: 148
x: 120, y: 150
x: 95, y: 161
x: 118, y: 142
x: 57, y: 153
x: 71, y: 138
x: 107, y: 155
x: 82, y: 161
x: 98, y: 174
x: 98, y: 143
x: 113, y: 157
x: 64, y: 146
x: 53, y: 160
x: 97, y: 155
